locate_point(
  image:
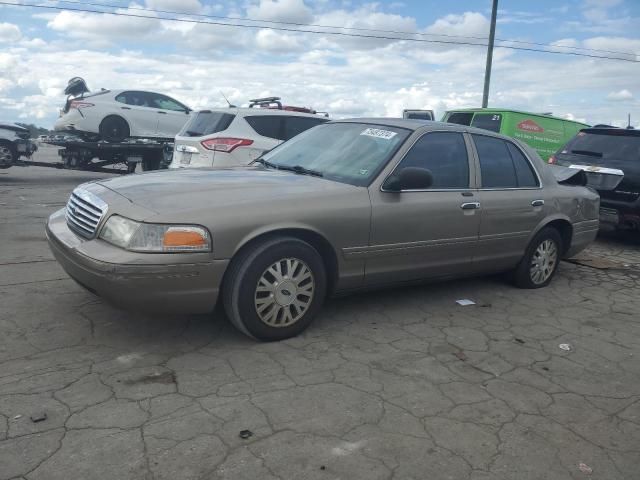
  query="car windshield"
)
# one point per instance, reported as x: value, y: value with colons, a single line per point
x: 603, y: 146
x: 351, y: 153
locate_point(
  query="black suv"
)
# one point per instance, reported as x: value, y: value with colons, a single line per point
x: 607, y: 150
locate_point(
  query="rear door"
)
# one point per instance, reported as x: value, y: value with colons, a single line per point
x: 426, y: 233
x: 511, y: 199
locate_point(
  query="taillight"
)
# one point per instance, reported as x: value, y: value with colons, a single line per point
x: 552, y: 160
x: 77, y: 104
x: 225, y: 144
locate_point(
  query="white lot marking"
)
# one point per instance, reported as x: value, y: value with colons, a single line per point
x: 347, y: 448
x: 465, y: 301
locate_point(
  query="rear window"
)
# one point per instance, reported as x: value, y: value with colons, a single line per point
x: 206, y: 123
x: 267, y: 125
x: 487, y: 121
x: 602, y: 146
x: 460, y: 118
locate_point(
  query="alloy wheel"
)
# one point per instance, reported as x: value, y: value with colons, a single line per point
x: 543, y: 262
x: 284, y: 292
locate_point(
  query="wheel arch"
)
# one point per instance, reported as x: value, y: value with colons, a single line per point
x: 309, y: 235
x: 563, y: 225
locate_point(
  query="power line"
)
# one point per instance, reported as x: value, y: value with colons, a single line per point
x: 359, y: 29
x: 316, y: 32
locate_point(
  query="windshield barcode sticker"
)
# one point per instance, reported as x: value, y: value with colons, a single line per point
x: 377, y: 133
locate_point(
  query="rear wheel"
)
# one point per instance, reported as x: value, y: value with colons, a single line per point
x: 114, y: 129
x: 8, y: 154
x: 274, y: 290
x: 541, y: 260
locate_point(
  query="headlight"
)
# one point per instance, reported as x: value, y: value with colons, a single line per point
x: 150, y: 237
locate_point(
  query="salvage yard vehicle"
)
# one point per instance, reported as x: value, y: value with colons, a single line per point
x: 346, y: 205
x: 418, y: 114
x: 544, y: 133
x: 610, y: 157
x: 236, y: 136
x: 116, y: 115
x: 14, y: 142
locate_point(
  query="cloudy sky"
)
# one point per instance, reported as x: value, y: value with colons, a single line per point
x: 194, y: 60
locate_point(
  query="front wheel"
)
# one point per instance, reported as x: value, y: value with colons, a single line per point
x: 540, y: 262
x: 274, y: 290
x: 8, y: 154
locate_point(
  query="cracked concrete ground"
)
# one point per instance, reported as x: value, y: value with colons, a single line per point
x: 401, y: 384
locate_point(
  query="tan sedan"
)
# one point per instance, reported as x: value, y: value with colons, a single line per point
x: 346, y: 205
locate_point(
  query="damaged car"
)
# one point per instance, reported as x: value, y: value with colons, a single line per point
x: 346, y: 205
x: 15, y: 142
x: 116, y: 115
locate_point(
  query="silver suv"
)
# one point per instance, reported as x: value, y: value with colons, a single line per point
x: 236, y: 136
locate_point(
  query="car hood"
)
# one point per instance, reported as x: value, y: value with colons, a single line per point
x: 170, y: 191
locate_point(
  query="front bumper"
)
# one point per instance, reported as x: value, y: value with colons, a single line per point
x: 173, y: 283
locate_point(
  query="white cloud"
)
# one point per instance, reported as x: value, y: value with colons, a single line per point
x: 281, y: 11
x: 623, y: 95
x: 186, y: 6
x: 468, y: 24
x: 274, y: 41
x: 9, y: 32
x: 345, y: 76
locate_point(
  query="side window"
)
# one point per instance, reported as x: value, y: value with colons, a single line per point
x: 266, y: 125
x: 524, y: 171
x: 166, y: 103
x: 502, y: 164
x: 139, y: 99
x: 445, y: 155
x: 488, y: 121
x: 461, y: 118
x: 496, y: 166
x: 295, y: 125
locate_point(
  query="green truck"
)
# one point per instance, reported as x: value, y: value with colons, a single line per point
x: 544, y: 133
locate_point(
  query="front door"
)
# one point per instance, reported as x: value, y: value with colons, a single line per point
x: 171, y: 115
x: 512, y: 203
x: 426, y: 233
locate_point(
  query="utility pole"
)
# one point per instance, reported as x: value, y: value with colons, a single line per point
x: 487, y: 71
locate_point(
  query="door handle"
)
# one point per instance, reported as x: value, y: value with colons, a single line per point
x: 125, y: 108
x: 537, y: 203
x: 162, y: 113
x: 470, y: 206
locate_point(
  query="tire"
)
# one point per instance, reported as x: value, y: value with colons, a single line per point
x: 8, y: 154
x: 541, y: 260
x: 150, y: 163
x: 114, y: 129
x: 288, y: 306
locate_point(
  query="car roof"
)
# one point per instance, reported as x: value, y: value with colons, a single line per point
x: 261, y: 111
x: 424, y: 125
x: 511, y: 110
x: 631, y: 132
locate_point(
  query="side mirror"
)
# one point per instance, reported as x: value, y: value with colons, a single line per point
x: 409, y: 178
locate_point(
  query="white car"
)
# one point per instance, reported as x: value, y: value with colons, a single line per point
x: 237, y: 136
x: 115, y: 115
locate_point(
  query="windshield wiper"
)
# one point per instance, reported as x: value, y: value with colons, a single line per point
x: 265, y: 163
x: 300, y: 169
x: 588, y: 153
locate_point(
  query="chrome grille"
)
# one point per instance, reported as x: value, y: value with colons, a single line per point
x: 84, y: 212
